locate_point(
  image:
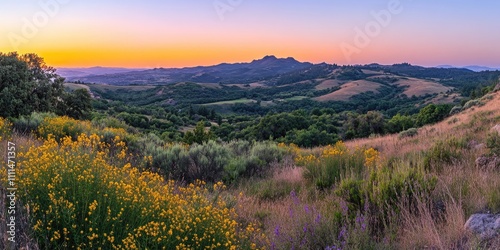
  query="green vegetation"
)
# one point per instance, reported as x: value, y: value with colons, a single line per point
x: 133, y: 177
x: 27, y: 84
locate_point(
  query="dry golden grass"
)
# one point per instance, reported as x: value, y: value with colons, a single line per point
x: 328, y: 84
x: 445, y: 98
x: 349, y: 90
x: 419, y: 87
x: 462, y: 188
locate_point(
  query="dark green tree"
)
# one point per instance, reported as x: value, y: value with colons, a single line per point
x: 432, y: 113
x: 76, y: 104
x: 198, y: 135
x: 27, y: 84
x: 399, y: 123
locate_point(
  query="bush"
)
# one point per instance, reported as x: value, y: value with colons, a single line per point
x: 337, y: 162
x: 251, y: 159
x: 455, y: 110
x: 239, y: 167
x: 493, y: 143
x: 30, y: 124
x: 385, y: 187
x: 77, y: 199
x: 444, y: 152
x: 472, y: 103
x: 62, y: 126
x: 109, y: 122
x: 174, y: 160
x: 5, y: 128
x: 408, y: 133
x: 207, y: 162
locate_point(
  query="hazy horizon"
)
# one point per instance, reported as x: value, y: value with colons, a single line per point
x: 176, y: 34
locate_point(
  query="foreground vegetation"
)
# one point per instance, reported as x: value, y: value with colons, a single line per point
x: 80, y: 179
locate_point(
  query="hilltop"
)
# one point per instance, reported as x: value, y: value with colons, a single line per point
x: 317, y: 82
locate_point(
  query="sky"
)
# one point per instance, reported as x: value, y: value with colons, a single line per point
x: 181, y: 33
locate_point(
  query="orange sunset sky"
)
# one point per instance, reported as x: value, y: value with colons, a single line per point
x: 145, y: 34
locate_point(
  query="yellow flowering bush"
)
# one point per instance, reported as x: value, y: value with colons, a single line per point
x: 77, y: 199
x: 62, y: 126
x: 5, y: 128
x: 336, y: 162
x: 372, y: 156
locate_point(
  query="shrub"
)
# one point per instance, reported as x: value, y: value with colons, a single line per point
x: 174, y: 160
x: 385, y: 187
x: 337, y: 162
x: 444, y: 152
x: 207, y: 161
x: 408, y: 133
x: 244, y: 166
x: 77, y: 199
x: 472, y: 103
x: 30, y: 124
x: 63, y: 126
x: 109, y: 122
x: 5, y: 128
x: 493, y: 143
x: 455, y: 110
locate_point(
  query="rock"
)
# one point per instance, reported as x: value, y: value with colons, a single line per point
x: 497, y: 88
x: 488, y: 162
x: 496, y: 128
x: 487, y: 226
x: 473, y: 144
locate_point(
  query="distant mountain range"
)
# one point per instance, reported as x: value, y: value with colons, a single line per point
x: 257, y: 70
x: 475, y: 68
x: 83, y: 72
x: 268, y: 71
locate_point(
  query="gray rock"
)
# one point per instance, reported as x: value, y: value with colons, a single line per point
x: 496, y: 128
x: 487, y: 226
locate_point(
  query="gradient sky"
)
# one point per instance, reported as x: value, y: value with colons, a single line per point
x: 168, y: 33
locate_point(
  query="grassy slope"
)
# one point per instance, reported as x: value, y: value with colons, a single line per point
x: 419, y: 87
x: 349, y: 90
x: 461, y: 189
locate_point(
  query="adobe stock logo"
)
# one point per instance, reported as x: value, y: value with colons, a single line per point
x: 372, y: 29
x: 31, y: 26
x: 224, y: 6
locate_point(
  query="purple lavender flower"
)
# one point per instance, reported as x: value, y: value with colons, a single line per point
x: 360, y: 220
x: 342, y: 233
x: 344, y: 207
x: 333, y: 248
x: 318, y: 218
x: 277, y: 231
x: 294, y: 197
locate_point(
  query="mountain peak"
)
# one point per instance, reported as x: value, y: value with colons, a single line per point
x: 273, y: 59
x: 269, y: 57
